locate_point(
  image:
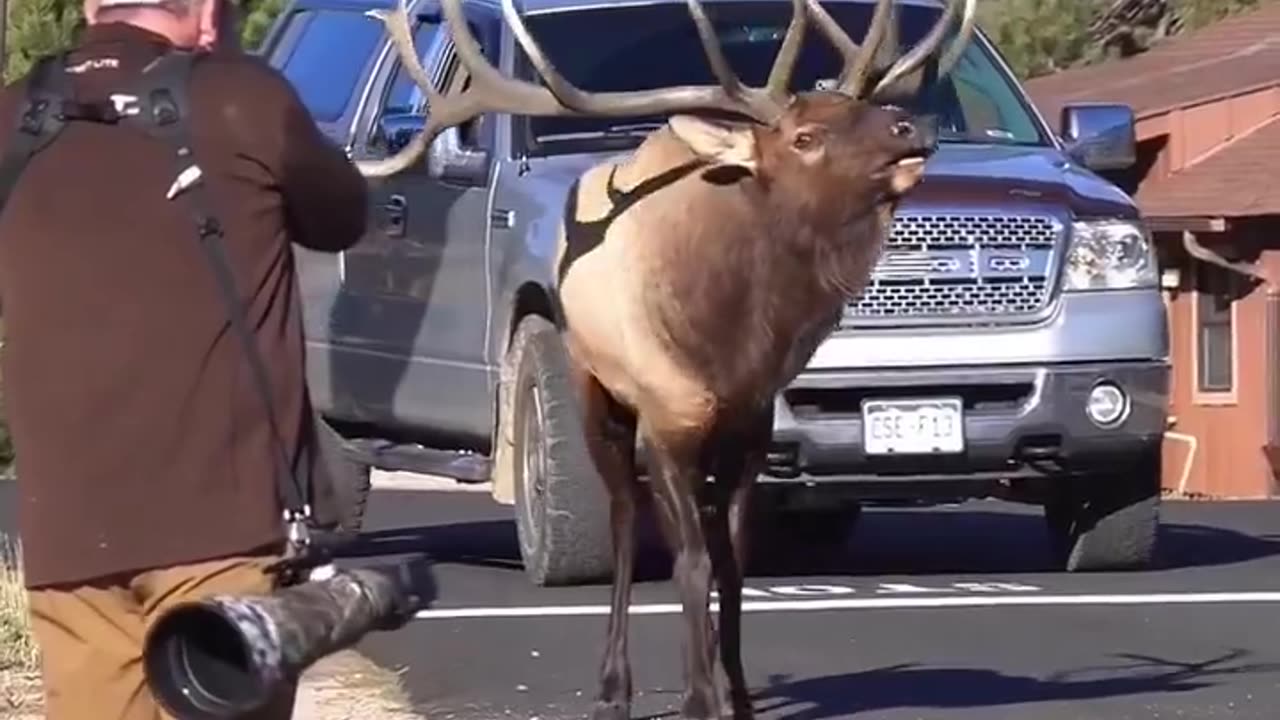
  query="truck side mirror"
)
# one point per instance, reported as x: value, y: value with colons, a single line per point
x: 397, y: 129
x: 1100, y: 136
x: 447, y: 158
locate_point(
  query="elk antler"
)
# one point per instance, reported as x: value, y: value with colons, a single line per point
x: 491, y: 91
x: 761, y: 104
x: 857, y: 61
x: 952, y: 54
x: 910, y: 62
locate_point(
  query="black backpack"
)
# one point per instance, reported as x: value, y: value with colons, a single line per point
x: 157, y: 105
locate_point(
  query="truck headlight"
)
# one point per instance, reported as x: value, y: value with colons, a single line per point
x: 1110, y: 255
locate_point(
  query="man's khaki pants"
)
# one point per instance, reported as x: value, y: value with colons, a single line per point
x: 91, y: 636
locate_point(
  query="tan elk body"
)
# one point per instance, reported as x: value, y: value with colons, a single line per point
x: 696, y: 277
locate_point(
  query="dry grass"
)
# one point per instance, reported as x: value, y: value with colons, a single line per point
x: 18, y: 651
x: 19, y: 656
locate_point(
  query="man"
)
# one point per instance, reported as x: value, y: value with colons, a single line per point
x: 142, y: 446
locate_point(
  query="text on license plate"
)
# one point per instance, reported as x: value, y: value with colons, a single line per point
x: 913, y: 427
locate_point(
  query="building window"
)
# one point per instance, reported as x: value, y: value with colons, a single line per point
x: 1215, y: 331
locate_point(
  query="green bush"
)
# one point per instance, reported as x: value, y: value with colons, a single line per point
x: 37, y: 27
x: 258, y: 18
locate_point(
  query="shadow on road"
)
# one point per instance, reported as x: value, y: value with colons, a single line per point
x: 483, y: 543
x: 914, y: 686
x: 900, y: 542
x: 913, y: 542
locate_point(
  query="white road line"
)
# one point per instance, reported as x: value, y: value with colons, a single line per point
x: 406, y: 481
x: 863, y: 604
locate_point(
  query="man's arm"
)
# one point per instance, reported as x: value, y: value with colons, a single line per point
x: 326, y: 197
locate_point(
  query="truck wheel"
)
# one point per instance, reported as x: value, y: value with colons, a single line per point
x: 349, y: 477
x: 1108, y: 522
x: 562, y: 506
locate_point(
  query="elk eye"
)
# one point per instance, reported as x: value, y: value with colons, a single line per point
x: 902, y: 129
x: 803, y: 141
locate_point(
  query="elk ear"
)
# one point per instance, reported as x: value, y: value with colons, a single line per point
x: 721, y: 143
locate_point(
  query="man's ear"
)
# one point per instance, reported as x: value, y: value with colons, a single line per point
x: 724, y: 144
x: 211, y: 17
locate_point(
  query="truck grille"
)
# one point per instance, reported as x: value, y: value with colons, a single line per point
x: 960, y: 266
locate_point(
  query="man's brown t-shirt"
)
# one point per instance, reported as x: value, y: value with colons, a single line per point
x: 140, y: 438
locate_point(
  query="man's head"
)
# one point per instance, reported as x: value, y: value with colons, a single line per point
x: 187, y: 24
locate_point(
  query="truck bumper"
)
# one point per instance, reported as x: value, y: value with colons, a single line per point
x: 1019, y: 422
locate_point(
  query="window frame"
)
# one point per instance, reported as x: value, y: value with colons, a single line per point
x: 1213, y: 282
x: 294, y: 31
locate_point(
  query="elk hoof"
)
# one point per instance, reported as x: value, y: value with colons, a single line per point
x: 698, y: 707
x: 610, y: 711
x: 739, y: 708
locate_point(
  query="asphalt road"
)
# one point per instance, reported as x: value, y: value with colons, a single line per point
x: 930, y: 613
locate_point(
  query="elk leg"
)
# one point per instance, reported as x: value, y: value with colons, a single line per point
x: 610, y: 432
x: 676, y: 482
x: 740, y: 461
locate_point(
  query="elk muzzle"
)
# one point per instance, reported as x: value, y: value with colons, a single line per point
x: 919, y: 140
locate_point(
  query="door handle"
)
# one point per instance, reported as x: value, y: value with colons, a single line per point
x: 501, y: 219
x: 396, y: 210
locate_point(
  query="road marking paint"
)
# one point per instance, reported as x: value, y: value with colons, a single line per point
x: 403, y: 481
x: 863, y: 604
x: 884, y: 588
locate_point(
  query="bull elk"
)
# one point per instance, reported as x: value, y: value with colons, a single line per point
x: 696, y: 278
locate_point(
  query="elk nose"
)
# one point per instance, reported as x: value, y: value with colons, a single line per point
x: 925, y: 132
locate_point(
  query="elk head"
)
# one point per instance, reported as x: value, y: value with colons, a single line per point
x: 833, y: 138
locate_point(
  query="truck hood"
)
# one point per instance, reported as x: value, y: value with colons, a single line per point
x: 969, y: 176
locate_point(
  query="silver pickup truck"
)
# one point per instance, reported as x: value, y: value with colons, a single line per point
x: 1012, y: 342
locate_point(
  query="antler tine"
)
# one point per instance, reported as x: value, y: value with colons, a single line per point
x: 715, y: 54
x: 908, y: 63
x: 729, y: 95
x: 832, y: 31
x: 855, y: 72
x: 788, y: 54
x: 856, y: 60
x: 952, y: 55
x: 397, y: 25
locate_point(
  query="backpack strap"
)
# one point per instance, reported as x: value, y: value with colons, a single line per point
x: 40, y: 120
x: 163, y: 112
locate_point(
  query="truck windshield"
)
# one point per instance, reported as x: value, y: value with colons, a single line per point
x: 620, y: 47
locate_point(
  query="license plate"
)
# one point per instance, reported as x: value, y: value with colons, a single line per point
x: 913, y: 427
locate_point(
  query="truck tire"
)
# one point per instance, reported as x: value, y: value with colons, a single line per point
x: 349, y: 478
x: 1108, y: 522
x: 562, y: 506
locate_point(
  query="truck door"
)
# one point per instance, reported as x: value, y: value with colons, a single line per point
x: 413, y: 309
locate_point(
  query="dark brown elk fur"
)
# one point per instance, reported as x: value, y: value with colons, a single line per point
x: 697, y: 277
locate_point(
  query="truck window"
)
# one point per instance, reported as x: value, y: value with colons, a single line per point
x: 324, y: 53
x: 651, y: 45
x: 403, y: 95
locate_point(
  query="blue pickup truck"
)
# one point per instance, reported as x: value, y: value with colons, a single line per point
x: 1012, y: 341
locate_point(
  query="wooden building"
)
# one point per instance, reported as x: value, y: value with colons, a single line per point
x: 1207, y: 106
